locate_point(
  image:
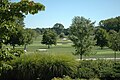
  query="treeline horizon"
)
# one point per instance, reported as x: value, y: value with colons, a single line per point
x: 107, y: 24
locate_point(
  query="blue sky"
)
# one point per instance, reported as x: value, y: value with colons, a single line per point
x: 63, y: 11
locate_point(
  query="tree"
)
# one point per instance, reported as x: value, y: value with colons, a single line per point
x: 28, y: 37
x: 110, y: 24
x: 9, y: 11
x: 101, y: 36
x: 81, y: 34
x: 114, y: 41
x: 58, y: 27
x: 49, y: 38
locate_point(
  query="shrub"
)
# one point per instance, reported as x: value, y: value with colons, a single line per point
x: 94, y: 69
x: 16, y: 52
x: 42, y: 67
x: 65, y: 78
x: 3, y: 70
x: 86, y: 69
x: 6, y: 55
x: 9, y: 54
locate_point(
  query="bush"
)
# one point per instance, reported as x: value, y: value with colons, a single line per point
x: 93, y: 69
x: 6, y: 55
x: 65, y: 78
x: 68, y: 78
x: 3, y: 70
x: 103, y: 69
x: 9, y: 54
x: 42, y: 67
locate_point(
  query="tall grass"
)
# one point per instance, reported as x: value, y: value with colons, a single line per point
x: 42, y: 67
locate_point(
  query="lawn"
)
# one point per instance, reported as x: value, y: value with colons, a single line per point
x: 66, y: 48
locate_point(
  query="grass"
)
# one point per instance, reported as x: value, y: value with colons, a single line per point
x: 65, y: 47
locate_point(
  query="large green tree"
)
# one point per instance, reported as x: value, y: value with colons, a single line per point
x: 9, y: 11
x: 49, y: 38
x: 101, y: 36
x: 114, y: 41
x: 81, y: 34
x: 111, y: 24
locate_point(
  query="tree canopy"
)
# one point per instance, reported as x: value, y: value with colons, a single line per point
x: 101, y: 36
x: 49, y: 38
x: 11, y: 12
x: 114, y: 41
x: 81, y: 34
x: 111, y: 24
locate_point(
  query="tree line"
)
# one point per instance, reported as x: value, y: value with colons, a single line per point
x: 85, y: 35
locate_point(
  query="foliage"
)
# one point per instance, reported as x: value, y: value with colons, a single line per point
x: 3, y: 69
x: 42, y: 66
x: 10, y: 12
x: 102, y: 69
x: 66, y: 31
x: 81, y: 34
x: 59, y: 67
x: 102, y: 37
x: 10, y: 54
x: 49, y: 38
x: 65, y: 78
x: 28, y: 36
x: 15, y: 36
x: 68, y: 78
x: 111, y: 24
x: 62, y: 35
x: 6, y: 55
x: 114, y: 41
x: 58, y: 27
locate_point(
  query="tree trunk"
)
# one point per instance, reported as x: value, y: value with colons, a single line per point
x: 25, y: 47
x: 48, y: 46
x: 80, y: 56
x: 115, y: 56
x: 101, y: 48
x: 13, y: 46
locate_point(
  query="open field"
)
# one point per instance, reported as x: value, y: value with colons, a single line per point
x: 65, y: 47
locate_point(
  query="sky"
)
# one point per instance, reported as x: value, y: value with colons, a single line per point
x: 63, y: 11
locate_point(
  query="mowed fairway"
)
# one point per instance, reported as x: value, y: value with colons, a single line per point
x: 65, y: 47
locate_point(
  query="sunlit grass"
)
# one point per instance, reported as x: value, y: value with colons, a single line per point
x: 65, y: 47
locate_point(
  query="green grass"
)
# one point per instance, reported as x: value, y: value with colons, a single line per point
x: 65, y: 47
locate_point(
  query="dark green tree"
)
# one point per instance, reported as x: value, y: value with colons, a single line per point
x: 49, y: 38
x: 58, y: 27
x: 81, y: 34
x: 101, y: 36
x: 114, y: 41
x: 111, y: 24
